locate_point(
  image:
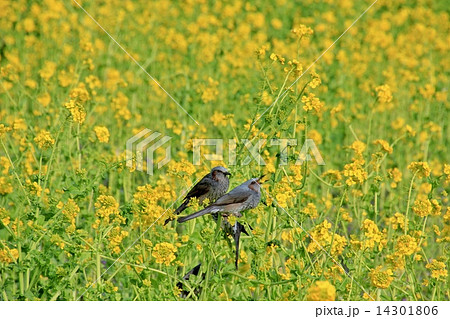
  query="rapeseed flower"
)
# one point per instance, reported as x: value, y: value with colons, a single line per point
x: 312, y: 103
x: 406, y: 245
x: 421, y: 169
x: 102, y: 134
x: 438, y: 270
x: 164, y: 253
x: 384, y: 93
x: 321, y: 291
x: 44, y: 140
x: 381, y: 279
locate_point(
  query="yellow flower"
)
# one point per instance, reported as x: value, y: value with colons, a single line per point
x: 311, y: 210
x: 302, y: 30
x: 8, y: 255
x: 315, y: 80
x: 298, y: 70
x: 373, y: 235
x: 115, y: 238
x: 219, y: 119
x: 315, y: 136
x: 5, y: 186
x: 145, y: 203
x: 438, y: 270
x: 29, y: 25
x: 397, y: 221
x: 5, y: 163
x: 396, y: 261
x: 48, y: 70
x: 287, y: 235
x: 70, y: 211
x: 384, y: 94
x: 447, y: 169
x: 311, y: 102
x: 164, y: 253
x: 44, y: 99
x: 333, y: 174
x: 3, y: 130
x: 30, y: 83
x: 106, y: 207
x: 427, y: 91
x: 277, y: 24
x: 355, y: 173
x: 19, y: 125
x: 396, y: 176
x: 421, y: 169
x: 102, y: 134
x: 183, y: 168
x: 446, y: 172
x: 384, y: 146
x: 346, y: 216
x: 381, y: 279
x: 358, y: 147
x: 282, y: 199
x: 210, y: 93
x: 323, y: 238
x: 80, y: 94
x: 261, y: 51
x: 321, y: 291
x: 77, y: 111
x: 436, y: 210
x: 65, y: 78
x: 34, y: 188
x: 422, y: 206
x: 398, y: 123
x: 266, y: 98
x: 406, y: 245
x: 4, y: 217
x: 44, y: 140
x: 277, y: 57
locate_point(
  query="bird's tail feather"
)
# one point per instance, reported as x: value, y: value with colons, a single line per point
x: 177, y: 211
x: 202, y: 212
x: 182, y: 207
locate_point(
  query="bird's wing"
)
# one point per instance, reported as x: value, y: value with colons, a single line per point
x: 201, y: 188
x: 232, y: 198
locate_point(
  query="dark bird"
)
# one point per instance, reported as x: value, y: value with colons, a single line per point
x: 212, y: 186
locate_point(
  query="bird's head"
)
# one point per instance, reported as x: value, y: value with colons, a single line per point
x: 220, y: 172
x: 255, y: 183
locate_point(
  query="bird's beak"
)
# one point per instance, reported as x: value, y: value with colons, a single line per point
x: 260, y: 178
x: 228, y: 173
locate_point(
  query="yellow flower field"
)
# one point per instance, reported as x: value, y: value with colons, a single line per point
x: 78, y: 79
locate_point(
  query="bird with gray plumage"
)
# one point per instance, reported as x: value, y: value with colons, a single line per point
x: 212, y: 186
x: 243, y: 197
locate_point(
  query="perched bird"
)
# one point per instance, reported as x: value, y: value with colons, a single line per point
x: 243, y: 197
x: 212, y: 186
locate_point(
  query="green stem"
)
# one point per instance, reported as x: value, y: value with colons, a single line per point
x: 15, y: 172
x: 408, y: 203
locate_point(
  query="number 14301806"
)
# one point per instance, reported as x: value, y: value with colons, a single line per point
x: 407, y: 310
